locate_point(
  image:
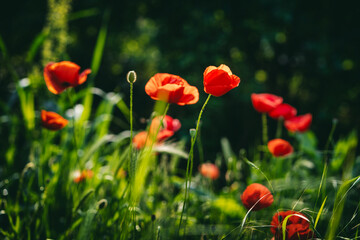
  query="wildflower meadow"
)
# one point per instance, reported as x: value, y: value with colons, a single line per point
x: 153, y: 152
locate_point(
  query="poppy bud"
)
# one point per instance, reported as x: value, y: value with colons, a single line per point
x: 192, y: 132
x: 131, y: 77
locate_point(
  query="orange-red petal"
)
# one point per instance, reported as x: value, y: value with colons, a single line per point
x: 299, y: 124
x: 52, y: 120
x: 172, y: 89
x: 61, y: 75
x: 252, y: 195
x: 280, y: 148
x: 265, y: 102
x: 219, y: 80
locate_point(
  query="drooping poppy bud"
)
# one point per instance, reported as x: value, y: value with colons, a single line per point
x: 172, y: 89
x: 257, y: 196
x: 62, y: 75
x: 209, y: 170
x: 297, y: 226
x: 298, y: 124
x: 265, y: 102
x: 219, y: 80
x: 52, y: 120
x: 280, y: 148
x: 284, y: 111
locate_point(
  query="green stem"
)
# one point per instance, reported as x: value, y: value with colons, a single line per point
x: 131, y: 151
x: 74, y: 128
x: 265, y: 130
x: 190, y: 162
x: 279, y: 127
x: 131, y: 125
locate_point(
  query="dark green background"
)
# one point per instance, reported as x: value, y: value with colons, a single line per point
x: 309, y: 51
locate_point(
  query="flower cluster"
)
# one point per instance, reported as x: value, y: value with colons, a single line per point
x: 273, y: 105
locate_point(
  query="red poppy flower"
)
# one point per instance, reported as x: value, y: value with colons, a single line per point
x: 169, y: 123
x: 265, y: 102
x: 253, y: 193
x: 219, y: 80
x: 61, y: 75
x: 284, y: 110
x: 280, y: 147
x: 209, y: 170
x: 172, y: 89
x: 298, y: 124
x: 52, y: 120
x: 297, y: 226
x: 81, y: 176
x: 142, y: 138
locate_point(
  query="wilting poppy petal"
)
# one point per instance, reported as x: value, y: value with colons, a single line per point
x: 265, y: 102
x: 62, y: 75
x: 284, y: 110
x: 209, y: 170
x: 219, y: 80
x: 299, y: 124
x: 172, y: 89
x: 52, y: 120
x: 279, y: 147
x: 297, y: 226
x: 253, y: 193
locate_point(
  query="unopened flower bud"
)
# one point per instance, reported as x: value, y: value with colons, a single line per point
x: 131, y: 76
x: 192, y: 132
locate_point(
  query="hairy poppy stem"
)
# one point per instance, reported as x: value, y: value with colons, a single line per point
x: 131, y: 123
x: 279, y: 127
x: 190, y: 163
x: 70, y: 96
x: 264, y: 127
x: 131, y: 149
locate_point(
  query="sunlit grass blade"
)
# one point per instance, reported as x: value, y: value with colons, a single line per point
x: 339, y: 206
x: 35, y: 46
x: 319, y: 213
x: 100, y: 44
x: 83, y: 14
x: 284, y: 223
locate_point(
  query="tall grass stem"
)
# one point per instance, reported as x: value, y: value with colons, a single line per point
x: 190, y: 163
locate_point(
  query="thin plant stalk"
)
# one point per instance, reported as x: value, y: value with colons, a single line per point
x: 279, y: 127
x: 142, y: 172
x: 190, y: 162
x: 70, y: 97
x: 131, y: 149
x: 264, y: 127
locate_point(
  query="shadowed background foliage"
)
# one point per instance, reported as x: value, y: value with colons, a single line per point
x: 305, y: 51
